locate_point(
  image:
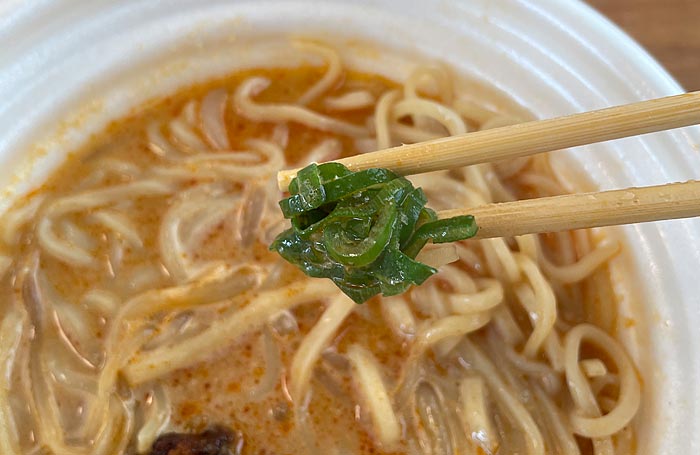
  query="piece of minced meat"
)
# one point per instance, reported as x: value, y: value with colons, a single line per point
x: 214, y: 441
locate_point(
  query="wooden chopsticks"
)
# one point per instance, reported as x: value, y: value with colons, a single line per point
x: 528, y: 138
x: 584, y: 210
x: 551, y: 214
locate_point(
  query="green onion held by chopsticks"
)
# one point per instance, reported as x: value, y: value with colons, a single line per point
x: 363, y: 230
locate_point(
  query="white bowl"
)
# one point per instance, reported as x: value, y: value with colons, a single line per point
x: 67, y: 67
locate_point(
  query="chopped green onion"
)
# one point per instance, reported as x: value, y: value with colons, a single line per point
x: 311, y: 192
x: 332, y: 190
x: 354, y: 253
x: 362, y: 229
x: 441, y: 231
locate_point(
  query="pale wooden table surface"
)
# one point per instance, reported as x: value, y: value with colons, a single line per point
x: 668, y: 29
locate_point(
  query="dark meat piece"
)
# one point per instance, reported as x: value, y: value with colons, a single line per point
x: 214, y: 441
